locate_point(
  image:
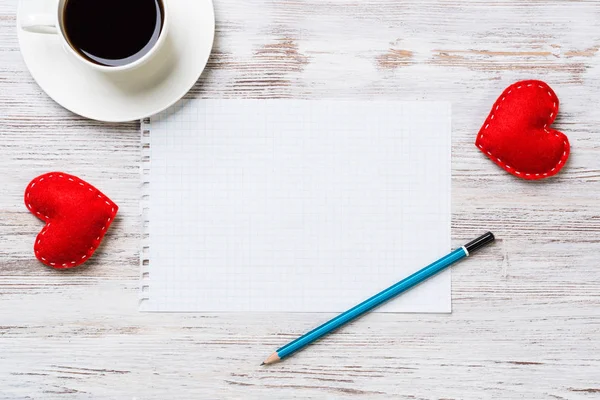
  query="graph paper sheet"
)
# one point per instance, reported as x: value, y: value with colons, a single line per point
x: 308, y: 206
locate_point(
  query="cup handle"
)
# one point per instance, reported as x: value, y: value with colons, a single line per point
x: 39, y: 23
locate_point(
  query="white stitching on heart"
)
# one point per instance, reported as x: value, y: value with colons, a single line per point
x: 563, y: 158
x: 43, y: 232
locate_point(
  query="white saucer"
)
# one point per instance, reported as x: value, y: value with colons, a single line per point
x: 128, y: 95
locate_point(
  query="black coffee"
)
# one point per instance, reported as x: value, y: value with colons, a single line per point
x: 113, y: 32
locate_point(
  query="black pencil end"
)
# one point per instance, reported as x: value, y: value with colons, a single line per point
x: 478, y: 243
x: 261, y: 364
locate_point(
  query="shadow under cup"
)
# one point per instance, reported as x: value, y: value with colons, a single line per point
x: 112, y: 33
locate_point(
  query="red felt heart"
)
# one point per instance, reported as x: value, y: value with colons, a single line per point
x: 77, y: 216
x: 517, y: 134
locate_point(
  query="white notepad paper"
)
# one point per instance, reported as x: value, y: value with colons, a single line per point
x: 285, y: 205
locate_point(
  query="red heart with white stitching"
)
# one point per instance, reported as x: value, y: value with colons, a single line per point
x: 517, y: 135
x: 77, y: 216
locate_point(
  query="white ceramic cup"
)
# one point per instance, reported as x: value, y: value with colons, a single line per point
x: 54, y: 24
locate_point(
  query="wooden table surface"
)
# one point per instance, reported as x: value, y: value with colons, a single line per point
x: 526, y: 319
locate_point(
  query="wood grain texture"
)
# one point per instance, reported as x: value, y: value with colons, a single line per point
x: 526, y: 320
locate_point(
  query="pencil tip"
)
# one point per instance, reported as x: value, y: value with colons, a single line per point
x: 273, y: 358
x: 262, y: 363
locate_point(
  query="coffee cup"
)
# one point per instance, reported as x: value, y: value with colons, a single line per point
x: 105, y: 35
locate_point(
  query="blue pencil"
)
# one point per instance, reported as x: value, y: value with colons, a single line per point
x: 380, y: 298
